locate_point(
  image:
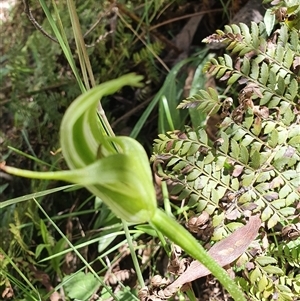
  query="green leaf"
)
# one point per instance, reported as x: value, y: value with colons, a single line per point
x: 287, y: 211
x: 245, y: 50
x: 255, y: 35
x: 233, y: 78
x: 273, y: 270
x: 269, y: 127
x: 295, y: 141
x: 263, y: 177
x: 269, y: 20
x: 280, y: 85
x: 255, y: 160
x: 184, y: 194
x: 245, y: 198
x: 35, y: 195
x: 273, y: 220
x: 245, y: 68
x: 284, y: 191
x: 246, y: 33
x: 265, y: 260
x: 179, y: 166
x: 293, y: 88
x: 220, y: 162
x: 235, y: 149
x: 288, y: 58
x: 273, y: 141
x: 240, y: 133
x: 236, y: 29
x: 255, y: 275
x: 244, y: 155
x: 146, y: 229
x: 247, y: 140
x: 177, y: 189
x: 47, y: 238
x: 228, y: 61
x: 225, y: 143
x: 193, y: 175
x: 262, y: 283
x: 291, y: 198
x: 185, y: 148
x: 209, y: 158
x: 173, y: 161
x: 39, y: 249
x: 237, y: 47
x: 235, y: 184
x: 266, y: 97
x: 290, y: 174
x: 80, y: 286
x: 247, y: 179
x: 202, y: 136
x: 193, y: 149
x: 280, y: 203
x: 178, y: 145
x: 266, y: 214
x: 274, y: 101
x: 264, y: 73
x: 280, y: 53
x: 107, y: 237
x: 254, y: 70
x: 221, y: 72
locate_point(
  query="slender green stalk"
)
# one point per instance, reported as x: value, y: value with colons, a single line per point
x: 64, y: 46
x: 165, y: 193
x: 133, y: 255
x: 173, y: 230
x: 164, y: 243
x: 167, y: 114
x: 80, y: 45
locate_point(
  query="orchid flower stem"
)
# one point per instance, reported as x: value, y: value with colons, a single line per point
x: 133, y: 254
x: 180, y: 236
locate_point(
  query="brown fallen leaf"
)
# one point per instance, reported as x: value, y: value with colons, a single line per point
x: 224, y: 253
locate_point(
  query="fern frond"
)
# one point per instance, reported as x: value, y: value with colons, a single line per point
x: 256, y: 160
x: 268, y: 68
x: 253, y: 166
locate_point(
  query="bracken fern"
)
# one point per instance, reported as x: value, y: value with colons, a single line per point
x: 254, y: 164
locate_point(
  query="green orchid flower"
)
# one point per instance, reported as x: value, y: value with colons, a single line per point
x: 117, y: 170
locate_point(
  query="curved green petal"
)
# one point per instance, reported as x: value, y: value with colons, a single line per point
x: 81, y: 132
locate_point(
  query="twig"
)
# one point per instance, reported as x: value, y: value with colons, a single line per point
x: 35, y: 23
x: 46, y: 34
x: 203, y: 12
